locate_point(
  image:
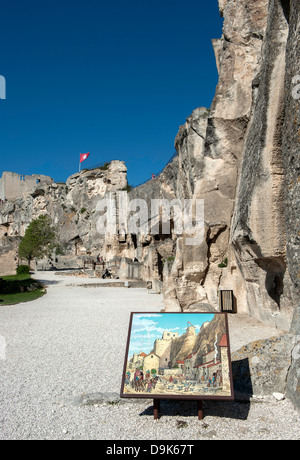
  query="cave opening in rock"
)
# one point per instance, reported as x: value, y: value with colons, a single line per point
x: 286, y: 9
x: 275, y: 268
x: 274, y: 286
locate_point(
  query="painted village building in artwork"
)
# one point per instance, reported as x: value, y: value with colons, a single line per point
x: 197, y: 373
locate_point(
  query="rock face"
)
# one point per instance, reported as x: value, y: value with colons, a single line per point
x: 261, y: 367
x: 258, y: 230
x: 9, y: 255
x: 242, y: 158
x: 291, y: 165
x: 238, y: 170
x: 72, y: 207
x: 231, y: 157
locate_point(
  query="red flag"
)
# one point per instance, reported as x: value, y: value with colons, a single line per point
x: 83, y: 157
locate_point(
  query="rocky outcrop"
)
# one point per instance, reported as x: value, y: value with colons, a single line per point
x: 9, y: 255
x: 242, y: 158
x: 291, y: 167
x: 258, y: 231
x: 239, y: 174
x: 199, y: 344
x: 72, y: 207
x: 196, y: 276
x: 261, y: 367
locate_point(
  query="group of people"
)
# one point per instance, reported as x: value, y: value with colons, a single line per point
x: 107, y: 273
x: 214, y: 381
x: 142, y: 382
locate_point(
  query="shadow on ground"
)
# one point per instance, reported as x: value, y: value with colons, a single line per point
x: 228, y: 409
x: 46, y: 283
x: 238, y: 409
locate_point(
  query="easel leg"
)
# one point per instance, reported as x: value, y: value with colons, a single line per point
x: 200, y: 410
x: 156, y: 408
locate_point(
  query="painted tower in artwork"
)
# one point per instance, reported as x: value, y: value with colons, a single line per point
x: 162, y: 348
x: 225, y: 362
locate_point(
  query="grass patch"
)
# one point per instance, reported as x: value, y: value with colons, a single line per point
x: 223, y: 264
x: 12, y: 299
x: 21, y: 277
x: 19, y: 288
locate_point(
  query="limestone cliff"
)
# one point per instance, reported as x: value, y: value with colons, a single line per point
x: 231, y: 157
x: 236, y: 165
x: 291, y: 167
x: 72, y: 207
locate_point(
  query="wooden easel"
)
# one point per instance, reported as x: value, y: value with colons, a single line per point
x: 156, y: 406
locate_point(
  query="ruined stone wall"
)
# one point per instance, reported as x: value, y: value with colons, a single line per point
x: 14, y: 185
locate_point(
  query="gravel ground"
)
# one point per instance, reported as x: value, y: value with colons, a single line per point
x: 62, y: 374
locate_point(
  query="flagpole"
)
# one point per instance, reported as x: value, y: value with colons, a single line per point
x: 82, y: 157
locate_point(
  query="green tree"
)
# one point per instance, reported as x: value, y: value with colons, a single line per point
x: 39, y: 240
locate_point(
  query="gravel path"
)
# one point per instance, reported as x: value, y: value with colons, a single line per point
x: 62, y: 374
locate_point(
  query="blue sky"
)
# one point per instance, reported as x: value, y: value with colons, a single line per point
x: 146, y: 328
x: 115, y: 79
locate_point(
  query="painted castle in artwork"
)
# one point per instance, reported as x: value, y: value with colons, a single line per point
x: 187, y: 364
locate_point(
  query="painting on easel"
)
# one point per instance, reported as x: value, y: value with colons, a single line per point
x: 178, y: 355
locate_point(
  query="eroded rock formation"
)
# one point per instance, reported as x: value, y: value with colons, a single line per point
x: 72, y: 207
x: 241, y: 176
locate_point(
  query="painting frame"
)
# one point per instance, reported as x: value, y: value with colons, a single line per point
x: 127, y: 385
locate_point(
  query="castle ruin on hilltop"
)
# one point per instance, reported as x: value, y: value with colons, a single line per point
x: 13, y: 185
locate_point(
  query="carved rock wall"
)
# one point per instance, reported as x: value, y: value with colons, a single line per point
x: 291, y: 165
x: 258, y: 232
x: 241, y: 174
